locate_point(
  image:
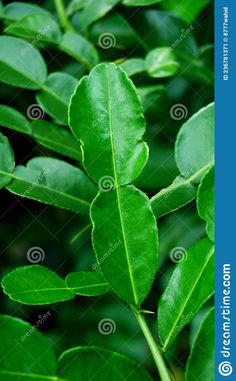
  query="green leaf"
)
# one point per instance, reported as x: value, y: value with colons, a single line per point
x: 56, y: 138
x: 24, y: 352
x: 80, y: 49
x: 200, y: 365
x: 21, y: 65
x: 13, y: 119
x: 186, y: 9
x: 194, y: 148
x: 133, y: 66
x: 125, y: 241
x: 191, y: 284
x: 53, y: 182
x: 82, y: 363
x: 116, y: 137
x: 39, y: 27
x: 205, y: 202
x: 7, y: 161
x: 169, y: 199
x: 87, y: 283
x: 140, y: 3
x: 17, y: 10
x: 35, y: 285
x: 76, y: 5
x: 56, y: 94
x: 95, y: 10
x: 161, y: 63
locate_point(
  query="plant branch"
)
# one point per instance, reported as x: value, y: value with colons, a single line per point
x: 64, y: 21
x: 156, y: 353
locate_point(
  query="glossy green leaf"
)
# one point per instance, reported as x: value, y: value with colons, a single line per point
x: 80, y: 49
x: 55, y: 96
x: 95, y: 10
x: 191, y: 284
x: 21, y: 65
x: 133, y: 66
x: 13, y: 119
x: 40, y: 27
x: 56, y: 138
x: 140, y: 3
x: 24, y: 352
x: 82, y: 363
x: 112, y: 137
x: 87, y: 283
x: 53, y: 182
x: 7, y: 161
x: 35, y: 285
x: 16, y: 10
x: 200, y: 365
x: 117, y: 26
x: 205, y: 202
x: 125, y: 241
x: 161, y: 63
x: 186, y: 9
x: 178, y: 194
x: 194, y: 148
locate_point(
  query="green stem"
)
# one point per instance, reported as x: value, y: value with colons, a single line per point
x: 64, y: 21
x: 156, y: 353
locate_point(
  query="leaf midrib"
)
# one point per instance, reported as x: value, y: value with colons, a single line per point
x: 187, y: 300
x: 57, y: 289
x: 32, y: 375
x: 117, y: 192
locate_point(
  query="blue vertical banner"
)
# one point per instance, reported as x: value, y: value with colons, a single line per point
x: 225, y: 264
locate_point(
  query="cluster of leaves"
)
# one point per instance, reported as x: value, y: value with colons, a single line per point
x: 97, y: 121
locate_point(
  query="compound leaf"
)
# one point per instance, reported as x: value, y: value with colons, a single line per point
x: 13, y: 119
x: 7, y: 161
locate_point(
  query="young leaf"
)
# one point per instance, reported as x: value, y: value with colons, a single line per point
x: 39, y: 27
x: 16, y: 10
x: 133, y: 66
x: 205, y: 202
x: 186, y: 9
x: 116, y: 137
x: 95, y: 10
x: 161, y: 63
x: 178, y: 194
x: 21, y: 65
x: 140, y: 3
x: 24, y: 352
x: 13, y: 119
x: 56, y: 94
x: 194, y: 277
x: 87, y: 283
x: 80, y: 49
x: 7, y: 161
x: 36, y: 285
x: 194, y: 148
x: 82, y: 363
x: 125, y: 241
x: 200, y: 366
x: 56, y: 138
x: 53, y: 182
